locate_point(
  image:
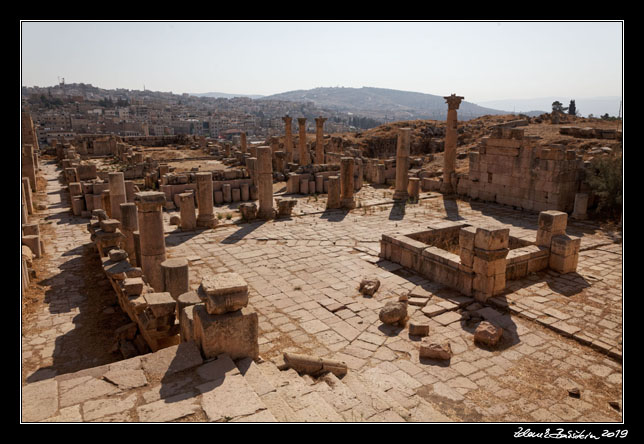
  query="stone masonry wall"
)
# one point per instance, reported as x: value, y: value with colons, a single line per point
x: 511, y: 169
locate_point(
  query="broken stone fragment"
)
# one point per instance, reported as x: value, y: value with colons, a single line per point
x: 435, y: 350
x: 393, y: 312
x: 418, y: 329
x: 574, y: 392
x: 160, y: 304
x: 175, y: 220
x: 117, y: 255
x: 369, y: 286
x: 313, y: 365
x: 488, y: 333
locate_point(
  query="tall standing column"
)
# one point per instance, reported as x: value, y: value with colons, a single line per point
x: 346, y: 182
x: 265, y: 182
x: 118, y: 194
x: 129, y: 224
x: 304, y: 156
x: 288, y: 140
x: 319, y: 140
x: 187, y: 211
x: 205, y: 202
x: 244, y: 146
x: 151, y: 240
x: 402, y: 164
x: 449, y: 165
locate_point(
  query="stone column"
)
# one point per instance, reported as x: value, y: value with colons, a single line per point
x: 402, y: 164
x: 288, y: 140
x: 304, y: 155
x: 129, y: 224
x: 580, y: 207
x: 265, y: 182
x: 151, y: 239
x: 319, y: 140
x: 28, y: 197
x: 244, y: 146
x: 205, y: 202
x: 333, y: 200
x: 28, y: 167
x: 413, y: 188
x: 346, y: 183
x: 187, y: 211
x: 118, y: 194
x: 175, y: 276
x: 449, y: 161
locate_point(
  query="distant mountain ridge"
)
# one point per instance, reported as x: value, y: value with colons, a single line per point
x: 218, y: 95
x: 381, y: 102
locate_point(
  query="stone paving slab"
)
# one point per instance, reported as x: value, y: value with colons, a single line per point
x: 297, y: 269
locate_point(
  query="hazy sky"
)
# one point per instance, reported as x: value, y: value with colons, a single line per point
x: 478, y: 60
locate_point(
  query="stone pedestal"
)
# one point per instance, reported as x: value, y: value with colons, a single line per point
x: 152, y: 241
x: 175, y: 276
x: 187, y: 211
x: 303, y: 152
x: 581, y: 206
x: 346, y: 183
x: 117, y: 193
x: 129, y: 224
x: 235, y: 333
x: 333, y: 200
x: 319, y: 140
x: 285, y: 206
x: 489, y: 262
x: 205, y: 200
x: 413, y: 188
x: 449, y: 165
x: 402, y: 164
x: 265, y: 182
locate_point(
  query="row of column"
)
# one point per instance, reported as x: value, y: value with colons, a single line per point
x: 301, y: 156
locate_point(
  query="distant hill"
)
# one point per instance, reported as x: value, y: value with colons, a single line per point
x: 219, y: 95
x: 383, y: 103
x: 597, y: 106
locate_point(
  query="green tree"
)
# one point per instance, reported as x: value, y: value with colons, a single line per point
x: 604, y: 177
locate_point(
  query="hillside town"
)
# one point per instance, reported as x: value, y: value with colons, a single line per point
x: 67, y: 110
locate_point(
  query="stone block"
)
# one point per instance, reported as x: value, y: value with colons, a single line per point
x: 563, y: 264
x: 235, y: 334
x: 489, y: 268
x: 186, y: 322
x: 435, y: 350
x: 133, y: 286
x: 553, y: 221
x: 160, y: 304
x: 418, y: 329
x: 110, y: 225
x: 466, y: 237
x: 224, y: 284
x: 491, y: 237
x: 564, y: 245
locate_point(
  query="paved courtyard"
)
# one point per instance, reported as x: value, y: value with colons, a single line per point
x: 561, y: 331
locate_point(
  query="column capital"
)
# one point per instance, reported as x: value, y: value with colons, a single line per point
x: 320, y: 120
x: 453, y: 101
x: 301, y: 120
x: 287, y: 119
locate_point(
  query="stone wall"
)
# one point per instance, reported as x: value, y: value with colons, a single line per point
x: 511, y: 169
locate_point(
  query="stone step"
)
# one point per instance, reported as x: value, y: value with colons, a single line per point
x: 231, y: 397
x: 376, y: 405
x: 295, y: 398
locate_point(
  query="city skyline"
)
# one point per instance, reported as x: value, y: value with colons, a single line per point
x: 483, y: 61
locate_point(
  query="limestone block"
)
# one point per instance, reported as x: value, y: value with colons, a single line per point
x: 223, y: 284
x: 435, y: 350
x: 563, y: 264
x: 110, y: 225
x: 418, y: 329
x: 248, y: 211
x: 133, y: 286
x: 33, y: 242
x: 186, y: 322
x: 489, y: 268
x: 160, y: 304
x: 564, y: 245
x: 393, y: 312
x: 225, y: 303
x: 553, y: 221
x: 491, y: 237
x: 235, y: 334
